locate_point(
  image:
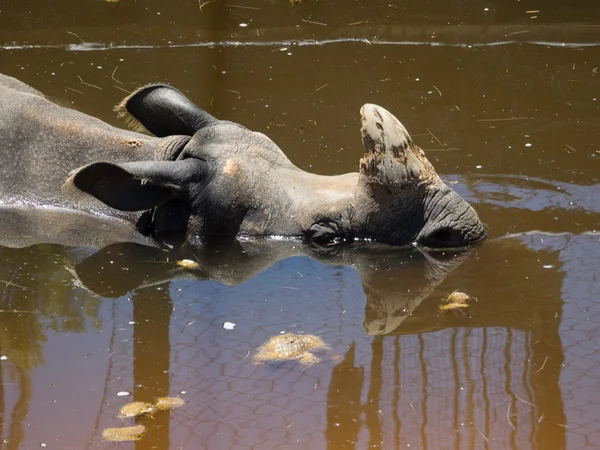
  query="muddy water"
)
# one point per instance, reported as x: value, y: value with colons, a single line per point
x: 503, y: 97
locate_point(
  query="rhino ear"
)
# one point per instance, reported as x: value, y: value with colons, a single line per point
x: 391, y: 157
x: 136, y: 186
x: 163, y: 111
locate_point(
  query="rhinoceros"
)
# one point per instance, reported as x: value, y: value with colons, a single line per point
x: 206, y: 179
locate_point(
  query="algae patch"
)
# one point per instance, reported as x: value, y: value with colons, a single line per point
x: 139, y: 410
x: 166, y: 403
x: 291, y: 347
x: 124, y: 434
x: 136, y: 409
x: 456, y: 302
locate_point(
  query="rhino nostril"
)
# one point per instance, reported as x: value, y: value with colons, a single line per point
x: 443, y: 237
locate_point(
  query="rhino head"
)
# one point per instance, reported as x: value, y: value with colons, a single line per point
x: 227, y: 181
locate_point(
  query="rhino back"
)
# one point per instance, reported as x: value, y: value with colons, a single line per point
x: 42, y: 142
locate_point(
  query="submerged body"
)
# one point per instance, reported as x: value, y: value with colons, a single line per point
x: 216, y: 179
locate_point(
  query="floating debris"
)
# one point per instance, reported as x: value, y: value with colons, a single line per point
x: 188, y: 264
x: 123, y: 394
x: 229, y: 325
x: 136, y: 409
x: 124, y: 434
x: 288, y: 347
x: 166, y: 403
x: 456, y: 301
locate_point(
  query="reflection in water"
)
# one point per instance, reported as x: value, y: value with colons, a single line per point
x: 35, y: 297
x: 388, y: 303
x: 424, y: 379
x: 152, y: 309
x: 343, y: 402
x: 372, y: 408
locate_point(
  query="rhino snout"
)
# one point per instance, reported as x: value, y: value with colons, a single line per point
x: 451, y: 222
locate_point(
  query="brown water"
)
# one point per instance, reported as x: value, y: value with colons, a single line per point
x: 505, y: 102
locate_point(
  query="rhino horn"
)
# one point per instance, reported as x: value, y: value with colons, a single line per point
x: 391, y: 158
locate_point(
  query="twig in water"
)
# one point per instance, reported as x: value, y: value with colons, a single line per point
x: 503, y: 119
x: 77, y: 36
x: 74, y: 90
x: 569, y: 147
x: 247, y: 354
x: 88, y: 84
x: 439, y: 92
x: 10, y: 283
x: 433, y: 136
x: 319, y: 88
x: 519, y: 32
x: 113, y: 75
x: 440, y: 149
x: 202, y: 4
x: 315, y: 23
x: 542, y: 365
x: 119, y: 87
x: 242, y: 7
x: 524, y: 401
x: 482, y: 435
x: 356, y: 23
x: 508, y: 416
x: 235, y: 92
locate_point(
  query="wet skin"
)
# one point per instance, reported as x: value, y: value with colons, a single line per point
x: 212, y: 179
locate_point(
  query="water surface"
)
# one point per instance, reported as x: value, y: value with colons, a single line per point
x: 503, y: 98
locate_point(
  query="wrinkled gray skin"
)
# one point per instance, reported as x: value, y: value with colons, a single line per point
x: 216, y: 179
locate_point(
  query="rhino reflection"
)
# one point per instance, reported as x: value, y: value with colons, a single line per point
x: 478, y: 382
x: 343, y: 402
x: 152, y: 310
x: 395, y: 281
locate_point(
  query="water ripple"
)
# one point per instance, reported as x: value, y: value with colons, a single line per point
x: 98, y: 46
